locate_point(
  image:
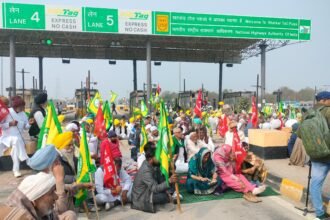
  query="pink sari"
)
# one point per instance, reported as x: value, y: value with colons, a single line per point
x: 226, y: 170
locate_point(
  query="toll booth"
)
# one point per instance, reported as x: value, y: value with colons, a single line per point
x: 81, y: 101
x: 231, y: 98
x: 187, y: 99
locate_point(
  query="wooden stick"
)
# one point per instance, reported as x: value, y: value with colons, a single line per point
x: 178, y: 202
x: 86, y: 209
x: 94, y: 198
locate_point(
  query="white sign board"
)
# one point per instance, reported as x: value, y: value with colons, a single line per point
x: 63, y: 18
x: 135, y: 22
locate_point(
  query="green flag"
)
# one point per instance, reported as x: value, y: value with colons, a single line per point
x: 113, y: 97
x: 51, y: 127
x: 144, y: 137
x: 107, y: 115
x: 280, y: 107
x: 85, y: 167
x: 144, y: 109
x: 164, y: 143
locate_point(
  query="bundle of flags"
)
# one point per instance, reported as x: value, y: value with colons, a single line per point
x: 164, y: 143
x: 85, y: 167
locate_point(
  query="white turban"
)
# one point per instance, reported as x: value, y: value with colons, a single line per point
x: 148, y: 126
x: 153, y: 128
x: 71, y: 127
x: 275, y: 123
x: 35, y: 186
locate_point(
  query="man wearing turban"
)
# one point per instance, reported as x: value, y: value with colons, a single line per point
x: 12, y: 129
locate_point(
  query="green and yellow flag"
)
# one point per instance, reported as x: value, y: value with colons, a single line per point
x: 144, y: 137
x: 94, y: 103
x: 113, y: 97
x: 107, y: 114
x: 280, y: 107
x: 144, y: 109
x: 51, y: 127
x: 85, y: 166
x: 165, y: 142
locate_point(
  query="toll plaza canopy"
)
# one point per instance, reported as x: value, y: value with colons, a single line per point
x: 104, y: 33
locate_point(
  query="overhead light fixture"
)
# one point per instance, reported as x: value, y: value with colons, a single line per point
x: 157, y: 63
x: 112, y: 62
x: 229, y: 65
x: 66, y: 60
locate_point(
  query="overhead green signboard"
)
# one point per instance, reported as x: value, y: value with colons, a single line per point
x: 100, y: 20
x: 230, y: 26
x: 140, y: 22
x: 23, y: 16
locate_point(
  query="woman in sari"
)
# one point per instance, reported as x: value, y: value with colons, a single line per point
x: 224, y: 160
x: 202, y: 178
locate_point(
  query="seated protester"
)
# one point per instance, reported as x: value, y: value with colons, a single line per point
x: 147, y: 192
x: 253, y: 169
x: 153, y: 136
x: 293, y: 138
x: 230, y: 133
x: 224, y: 160
x: 46, y: 160
x: 63, y: 142
x: 192, y: 145
x: 112, y: 197
x: 35, y: 198
x: 276, y: 124
x: 74, y: 128
x: 135, y: 149
x: 299, y: 156
x: 205, y: 140
x: 113, y: 143
x: 13, y: 126
x: 202, y: 177
x: 179, y: 151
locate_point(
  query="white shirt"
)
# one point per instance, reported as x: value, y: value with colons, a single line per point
x: 21, y: 118
x: 125, y: 182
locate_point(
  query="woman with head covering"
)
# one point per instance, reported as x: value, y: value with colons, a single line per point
x: 224, y: 160
x: 202, y: 177
x: 12, y: 129
x: 38, y: 114
x: 192, y: 146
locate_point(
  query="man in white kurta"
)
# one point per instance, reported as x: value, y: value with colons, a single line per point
x: 12, y: 130
x: 105, y: 195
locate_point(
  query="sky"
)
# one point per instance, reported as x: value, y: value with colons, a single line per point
x: 296, y: 66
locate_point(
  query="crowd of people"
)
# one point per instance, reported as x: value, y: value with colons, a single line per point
x: 210, y: 167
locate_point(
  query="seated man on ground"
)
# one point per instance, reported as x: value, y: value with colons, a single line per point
x: 179, y: 151
x: 253, y: 169
x: 224, y: 160
x: 35, y: 198
x: 112, y: 197
x: 147, y: 192
x: 202, y: 177
x: 47, y: 160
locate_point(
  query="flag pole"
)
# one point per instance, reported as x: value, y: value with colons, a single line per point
x: 178, y: 202
x: 86, y: 209
x: 94, y: 198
